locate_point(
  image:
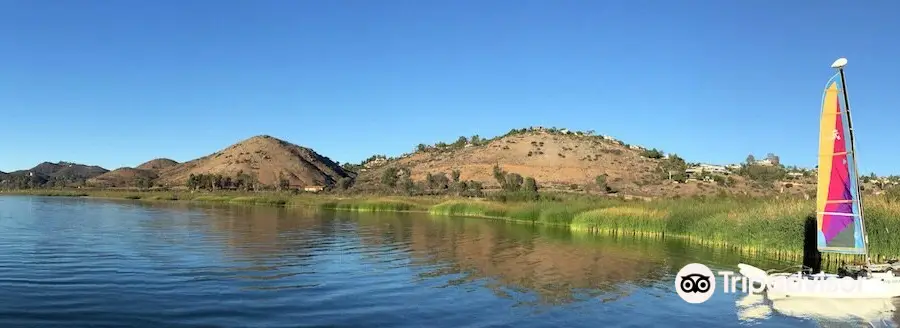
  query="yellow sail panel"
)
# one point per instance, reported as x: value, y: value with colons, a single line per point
x: 826, y: 147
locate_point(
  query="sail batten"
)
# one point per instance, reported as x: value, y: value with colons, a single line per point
x: 838, y: 217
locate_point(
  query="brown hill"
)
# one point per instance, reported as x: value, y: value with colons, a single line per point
x: 557, y: 159
x: 265, y: 157
x: 124, y: 177
x: 157, y: 164
x: 65, y: 170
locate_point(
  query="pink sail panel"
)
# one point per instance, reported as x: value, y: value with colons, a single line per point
x: 839, y: 187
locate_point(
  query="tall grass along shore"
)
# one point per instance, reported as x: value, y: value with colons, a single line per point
x: 757, y: 225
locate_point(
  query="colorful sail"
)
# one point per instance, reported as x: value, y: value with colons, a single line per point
x: 837, y: 200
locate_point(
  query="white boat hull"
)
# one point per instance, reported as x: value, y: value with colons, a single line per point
x: 752, y: 308
x: 797, y: 285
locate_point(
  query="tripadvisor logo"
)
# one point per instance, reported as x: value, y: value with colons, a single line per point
x: 695, y: 283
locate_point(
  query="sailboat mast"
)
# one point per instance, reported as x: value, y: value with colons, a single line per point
x: 853, y: 154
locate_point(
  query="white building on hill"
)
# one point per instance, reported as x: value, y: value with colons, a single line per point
x: 707, y: 168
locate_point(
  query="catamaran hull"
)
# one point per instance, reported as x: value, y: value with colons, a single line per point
x: 797, y: 285
x: 855, y: 289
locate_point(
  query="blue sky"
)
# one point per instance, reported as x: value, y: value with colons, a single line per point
x: 116, y: 83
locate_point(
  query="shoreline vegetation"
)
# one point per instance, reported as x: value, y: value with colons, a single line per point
x: 766, y: 226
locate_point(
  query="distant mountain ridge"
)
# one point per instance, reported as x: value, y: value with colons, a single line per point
x: 557, y: 159
x: 63, y: 169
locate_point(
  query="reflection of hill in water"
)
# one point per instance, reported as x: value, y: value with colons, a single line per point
x: 247, y: 231
x: 523, y: 258
x: 312, y: 246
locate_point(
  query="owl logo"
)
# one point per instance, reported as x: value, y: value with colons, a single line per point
x: 695, y: 283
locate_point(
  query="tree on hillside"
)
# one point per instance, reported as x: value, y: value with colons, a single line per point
x: 653, y: 153
x: 600, y: 180
x: 283, y: 182
x: 476, y: 140
x: 513, y: 182
x: 407, y: 185
x: 351, y: 167
x: 750, y: 159
x: 455, y: 175
x: 389, y: 177
x: 530, y: 185
x: 143, y: 182
x: 421, y: 147
x: 673, y: 168
x: 500, y: 176
x: 460, y: 187
x: 193, y: 182
x: 437, y: 182
x: 344, y: 183
x: 460, y: 142
x: 762, y: 173
x: 773, y: 158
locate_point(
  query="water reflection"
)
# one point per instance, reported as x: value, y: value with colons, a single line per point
x: 225, y: 265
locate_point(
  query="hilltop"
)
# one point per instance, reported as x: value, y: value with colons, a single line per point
x: 263, y: 160
x: 558, y: 159
x: 157, y: 164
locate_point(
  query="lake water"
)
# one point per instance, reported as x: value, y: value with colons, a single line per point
x: 81, y: 262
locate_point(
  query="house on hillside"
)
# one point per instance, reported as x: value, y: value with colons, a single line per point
x: 375, y: 162
x: 764, y: 162
x: 706, y: 168
x: 313, y: 188
x: 795, y: 175
x: 610, y: 138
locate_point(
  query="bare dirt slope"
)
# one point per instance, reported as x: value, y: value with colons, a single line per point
x: 157, y: 164
x: 265, y: 157
x: 556, y: 161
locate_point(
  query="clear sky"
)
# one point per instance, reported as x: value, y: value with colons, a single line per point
x: 116, y: 83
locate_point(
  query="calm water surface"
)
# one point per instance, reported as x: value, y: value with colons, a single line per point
x: 80, y: 262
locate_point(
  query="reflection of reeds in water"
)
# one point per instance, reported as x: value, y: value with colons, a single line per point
x: 517, y: 259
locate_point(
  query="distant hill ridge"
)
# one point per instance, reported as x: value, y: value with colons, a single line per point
x: 557, y: 159
x: 64, y: 169
x: 157, y: 164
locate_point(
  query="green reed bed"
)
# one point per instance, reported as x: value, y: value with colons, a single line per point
x: 471, y: 208
x: 374, y: 205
